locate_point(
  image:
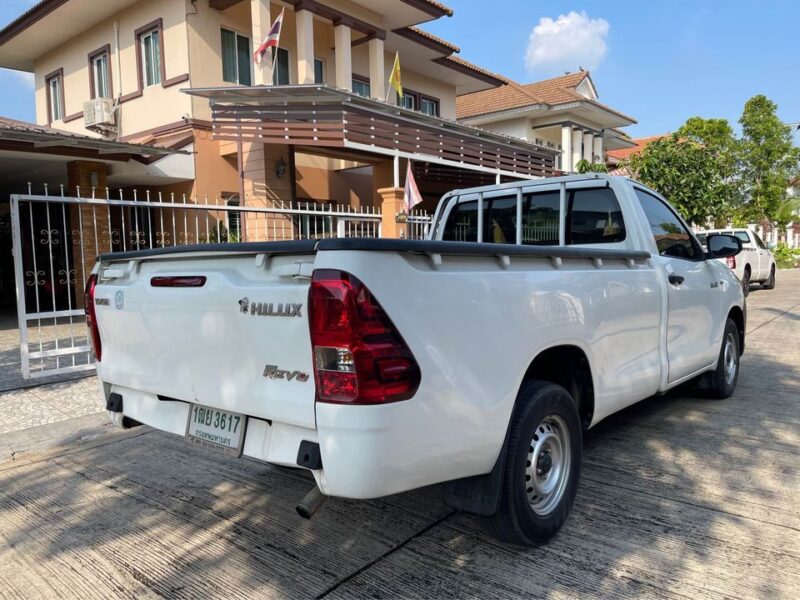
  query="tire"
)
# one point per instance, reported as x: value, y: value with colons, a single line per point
x: 532, y: 508
x: 721, y: 382
x: 769, y: 284
x: 746, y: 282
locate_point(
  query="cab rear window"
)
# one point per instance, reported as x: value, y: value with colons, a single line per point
x: 593, y: 217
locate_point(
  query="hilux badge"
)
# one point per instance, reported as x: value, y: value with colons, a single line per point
x: 270, y: 309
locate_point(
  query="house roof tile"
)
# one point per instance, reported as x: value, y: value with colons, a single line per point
x: 550, y: 92
x: 640, y: 145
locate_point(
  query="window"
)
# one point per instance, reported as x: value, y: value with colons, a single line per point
x: 540, y: 220
x: 361, y: 86
x: 280, y: 74
x: 234, y: 218
x: 742, y: 235
x: 429, y: 106
x: 672, y: 238
x: 759, y: 242
x: 100, y: 73
x: 410, y: 100
x: 319, y: 71
x: 150, y: 49
x: 236, y: 58
x: 55, y: 96
x: 594, y: 217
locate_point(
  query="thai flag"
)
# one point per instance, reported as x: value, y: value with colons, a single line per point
x: 411, y: 195
x: 271, y: 41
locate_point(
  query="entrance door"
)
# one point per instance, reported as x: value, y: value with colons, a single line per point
x: 692, y: 291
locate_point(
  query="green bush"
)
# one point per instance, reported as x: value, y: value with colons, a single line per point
x: 785, y: 257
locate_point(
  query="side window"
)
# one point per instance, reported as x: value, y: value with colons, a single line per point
x: 672, y: 238
x: 280, y: 74
x: 742, y: 235
x: 594, y: 217
x: 759, y: 243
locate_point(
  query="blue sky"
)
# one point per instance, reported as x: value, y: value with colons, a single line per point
x: 659, y: 61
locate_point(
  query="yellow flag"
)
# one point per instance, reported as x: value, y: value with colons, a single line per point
x: 394, y: 79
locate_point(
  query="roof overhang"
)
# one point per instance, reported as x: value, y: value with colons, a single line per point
x: 32, y: 138
x: 585, y: 109
x: 48, y: 25
x: 317, y: 115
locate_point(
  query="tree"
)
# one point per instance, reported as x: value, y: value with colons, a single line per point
x: 788, y: 211
x: 584, y: 166
x: 687, y: 173
x: 717, y: 137
x: 768, y: 159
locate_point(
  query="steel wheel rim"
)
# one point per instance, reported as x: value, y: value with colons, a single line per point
x: 729, y: 358
x: 548, y: 465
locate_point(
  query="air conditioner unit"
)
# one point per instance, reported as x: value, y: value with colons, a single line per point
x: 99, y: 113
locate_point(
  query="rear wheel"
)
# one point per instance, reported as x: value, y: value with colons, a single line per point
x: 542, y: 466
x: 746, y: 282
x: 769, y: 284
x: 721, y: 382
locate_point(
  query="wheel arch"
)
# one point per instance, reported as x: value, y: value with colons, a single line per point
x: 567, y: 365
x: 738, y: 316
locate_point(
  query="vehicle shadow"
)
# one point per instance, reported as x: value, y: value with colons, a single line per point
x: 680, y: 495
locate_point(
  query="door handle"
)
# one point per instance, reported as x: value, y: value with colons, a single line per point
x: 675, y: 279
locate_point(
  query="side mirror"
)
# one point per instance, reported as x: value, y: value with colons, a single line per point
x: 723, y: 246
x: 771, y: 245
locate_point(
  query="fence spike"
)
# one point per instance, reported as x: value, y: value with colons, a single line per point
x: 46, y: 193
x: 93, y: 193
x: 172, y: 197
x: 160, y: 196
x: 120, y: 194
x: 30, y: 189
x: 61, y: 189
x: 135, y: 198
x: 108, y: 193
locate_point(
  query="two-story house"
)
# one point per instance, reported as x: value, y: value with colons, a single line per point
x: 320, y: 127
x: 562, y: 113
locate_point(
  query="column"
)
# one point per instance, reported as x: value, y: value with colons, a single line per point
x: 305, y: 46
x: 377, y: 78
x: 391, y: 205
x: 566, y: 148
x: 597, y: 151
x: 344, y: 60
x: 588, y: 146
x: 259, y: 17
x: 83, y: 176
x: 577, y: 147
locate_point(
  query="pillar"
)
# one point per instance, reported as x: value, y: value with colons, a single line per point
x: 260, y: 19
x: 588, y: 146
x: 391, y: 205
x: 577, y: 147
x: 82, y: 176
x: 566, y: 148
x: 597, y: 151
x: 377, y: 77
x: 305, y: 46
x: 344, y: 63
x: 264, y: 189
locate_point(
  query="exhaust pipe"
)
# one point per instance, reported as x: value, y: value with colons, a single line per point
x: 311, y: 503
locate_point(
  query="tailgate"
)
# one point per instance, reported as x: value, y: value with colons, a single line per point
x: 240, y: 341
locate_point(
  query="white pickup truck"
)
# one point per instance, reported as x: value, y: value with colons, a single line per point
x: 475, y: 358
x: 754, y: 264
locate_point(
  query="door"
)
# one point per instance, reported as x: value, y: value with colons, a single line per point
x: 692, y: 290
x: 764, y: 257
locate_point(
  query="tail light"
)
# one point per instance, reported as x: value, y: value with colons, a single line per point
x: 91, y: 317
x: 731, y: 262
x: 359, y: 356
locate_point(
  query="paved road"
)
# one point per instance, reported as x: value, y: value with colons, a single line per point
x: 680, y: 496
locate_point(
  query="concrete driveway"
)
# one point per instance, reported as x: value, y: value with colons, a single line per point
x: 680, y: 496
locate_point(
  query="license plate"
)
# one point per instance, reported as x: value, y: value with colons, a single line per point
x: 215, y: 428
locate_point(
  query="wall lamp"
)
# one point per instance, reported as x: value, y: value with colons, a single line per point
x: 280, y: 168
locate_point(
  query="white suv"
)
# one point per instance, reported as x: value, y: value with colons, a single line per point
x: 754, y: 264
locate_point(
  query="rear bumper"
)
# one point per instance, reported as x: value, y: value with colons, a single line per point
x: 366, y: 451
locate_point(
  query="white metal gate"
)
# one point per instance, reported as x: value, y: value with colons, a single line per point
x: 57, y: 238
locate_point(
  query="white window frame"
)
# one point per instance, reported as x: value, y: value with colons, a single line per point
x: 151, y: 76
x: 55, y: 97
x: 97, y: 60
x: 237, y: 35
